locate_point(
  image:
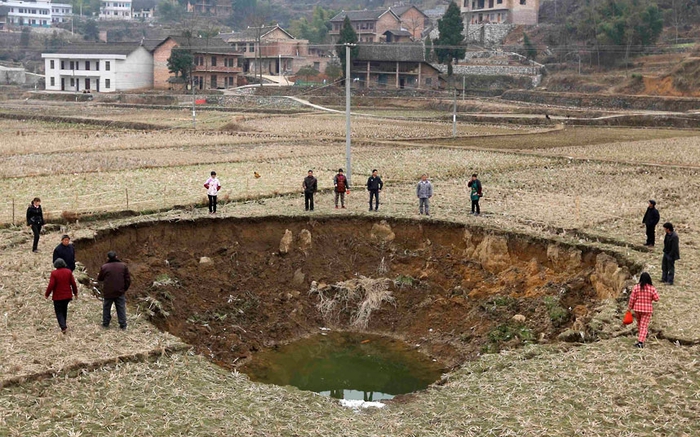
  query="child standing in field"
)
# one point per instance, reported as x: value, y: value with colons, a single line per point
x: 641, y: 302
x: 213, y: 186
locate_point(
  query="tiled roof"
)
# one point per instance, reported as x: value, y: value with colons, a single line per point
x: 391, y: 52
x: 212, y: 45
x: 360, y: 15
x: 400, y: 10
x: 251, y: 34
x: 399, y: 32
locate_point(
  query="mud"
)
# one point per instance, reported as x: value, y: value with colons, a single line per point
x: 232, y: 287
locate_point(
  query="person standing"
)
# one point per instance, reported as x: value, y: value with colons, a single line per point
x: 35, y: 220
x: 651, y: 219
x: 310, y: 186
x: 340, y: 182
x: 213, y: 186
x: 66, y: 252
x: 424, y: 191
x: 115, y: 279
x: 641, y: 302
x: 671, y: 254
x: 476, y: 193
x: 374, y: 186
x: 63, y: 287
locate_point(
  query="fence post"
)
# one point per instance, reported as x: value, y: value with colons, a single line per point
x: 126, y: 190
x: 13, y: 211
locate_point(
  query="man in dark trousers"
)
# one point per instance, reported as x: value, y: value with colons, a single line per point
x: 35, y: 220
x: 671, y: 254
x: 66, y: 252
x: 650, y: 220
x: 374, y: 186
x: 340, y: 182
x: 115, y: 279
x: 475, y: 194
x: 310, y: 186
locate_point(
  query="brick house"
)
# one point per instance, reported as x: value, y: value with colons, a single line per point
x: 216, y: 63
x: 524, y: 12
x: 412, y: 20
x: 370, y: 26
x: 274, y: 51
x: 396, y: 66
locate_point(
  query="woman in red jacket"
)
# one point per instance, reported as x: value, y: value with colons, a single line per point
x: 641, y: 302
x: 63, y: 286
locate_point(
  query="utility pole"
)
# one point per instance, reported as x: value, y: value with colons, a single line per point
x: 348, y: 81
x: 194, y: 112
x: 454, y: 112
x: 279, y: 68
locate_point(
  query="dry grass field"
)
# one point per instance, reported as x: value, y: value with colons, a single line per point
x: 579, y: 185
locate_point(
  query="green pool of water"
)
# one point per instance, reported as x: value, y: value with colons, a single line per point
x: 346, y: 365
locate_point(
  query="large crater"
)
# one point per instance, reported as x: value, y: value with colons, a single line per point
x: 231, y: 287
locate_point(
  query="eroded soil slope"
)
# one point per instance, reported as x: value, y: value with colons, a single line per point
x: 233, y: 286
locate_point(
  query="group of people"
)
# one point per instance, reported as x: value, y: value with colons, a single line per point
x: 374, y: 185
x: 114, y: 278
x: 644, y: 294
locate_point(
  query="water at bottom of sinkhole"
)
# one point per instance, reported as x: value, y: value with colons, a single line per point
x: 346, y: 365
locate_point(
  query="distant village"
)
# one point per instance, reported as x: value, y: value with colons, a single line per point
x: 391, y: 47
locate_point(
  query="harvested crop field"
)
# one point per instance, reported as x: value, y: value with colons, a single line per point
x: 451, y: 283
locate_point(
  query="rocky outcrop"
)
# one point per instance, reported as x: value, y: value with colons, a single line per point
x: 382, y: 232
x: 305, y: 242
x: 608, y: 278
x: 492, y: 253
x: 286, y: 242
x: 563, y: 258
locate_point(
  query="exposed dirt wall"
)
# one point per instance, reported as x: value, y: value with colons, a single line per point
x: 233, y: 286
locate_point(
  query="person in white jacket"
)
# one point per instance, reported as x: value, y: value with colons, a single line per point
x: 213, y: 186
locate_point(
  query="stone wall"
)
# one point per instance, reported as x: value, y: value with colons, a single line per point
x: 487, y: 34
x: 645, y: 103
x: 492, y: 70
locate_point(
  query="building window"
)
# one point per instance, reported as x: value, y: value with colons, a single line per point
x: 523, y: 2
x: 213, y: 61
x: 107, y: 83
x: 317, y: 66
x: 428, y: 81
x: 52, y: 65
x: 251, y: 47
x: 63, y: 65
x: 53, y: 81
x: 213, y: 81
x: 87, y: 65
x: 72, y: 82
x: 72, y: 65
x: 107, y: 65
x: 97, y: 65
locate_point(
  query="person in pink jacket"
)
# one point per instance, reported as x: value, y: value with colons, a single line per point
x: 641, y: 302
x: 213, y: 186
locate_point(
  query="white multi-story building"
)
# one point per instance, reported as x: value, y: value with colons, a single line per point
x: 40, y: 13
x: 116, y: 10
x: 101, y: 67
x: 61, y: 12
x: 501, y: 11
x: 28, y: 13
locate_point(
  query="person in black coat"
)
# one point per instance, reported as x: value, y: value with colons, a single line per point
x: 66, y: 252
x: 650, y: 220
x: 35, y: 220
x: 374, y: 186
x: 310, y: 186
x: 671, y: 254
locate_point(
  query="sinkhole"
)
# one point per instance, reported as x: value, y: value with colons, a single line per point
x: 400, y: 300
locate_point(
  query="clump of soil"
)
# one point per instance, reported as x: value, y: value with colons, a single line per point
x: 231, y: 287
